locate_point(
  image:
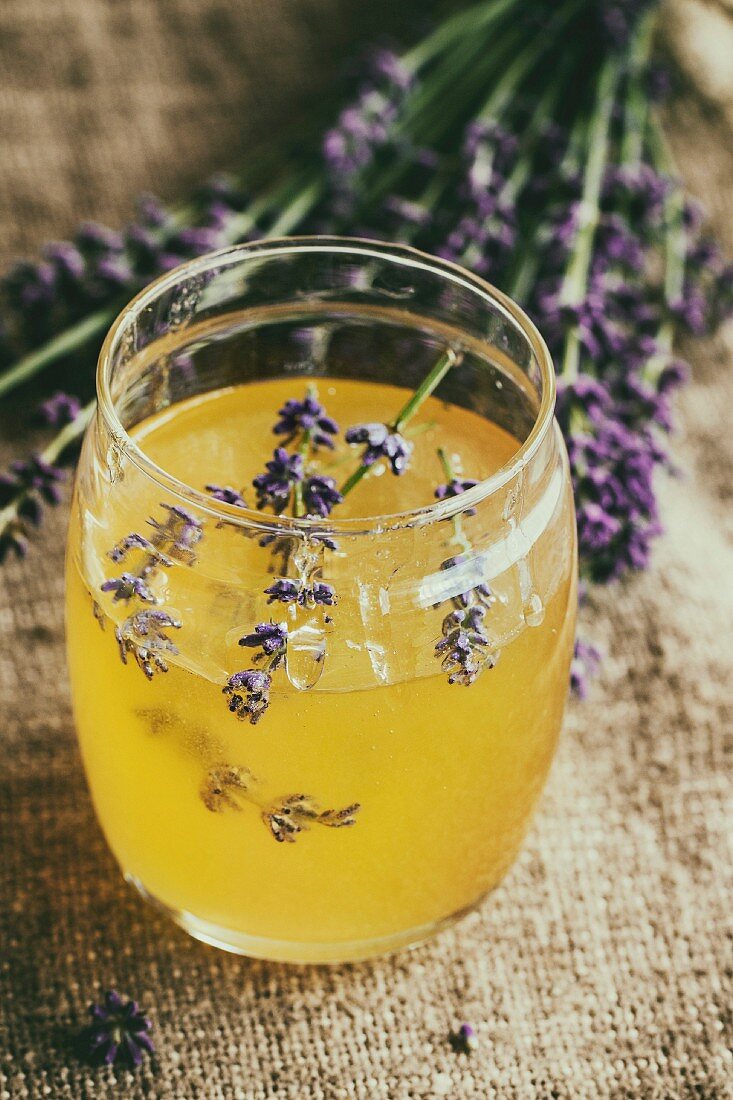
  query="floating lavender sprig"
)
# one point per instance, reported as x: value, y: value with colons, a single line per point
x: 386, y: 441
x: 144, y: 636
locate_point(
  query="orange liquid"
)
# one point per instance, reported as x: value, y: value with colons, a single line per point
x: 445, y: 776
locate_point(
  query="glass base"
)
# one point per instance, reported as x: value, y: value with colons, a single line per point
x: 259, y: 947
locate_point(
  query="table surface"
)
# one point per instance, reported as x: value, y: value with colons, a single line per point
x: 602, y: 966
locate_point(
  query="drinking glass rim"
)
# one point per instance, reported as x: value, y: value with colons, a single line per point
x: 284, y: 525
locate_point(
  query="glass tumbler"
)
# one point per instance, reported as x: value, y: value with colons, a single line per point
x: 355, y: 786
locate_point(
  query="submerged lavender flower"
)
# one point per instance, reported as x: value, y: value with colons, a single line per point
x: 118, y: 1032
x: 249, y: 689
x: 454, y: 488
x: 272, y: 638
x: 60, y: 408
x: 307, y: 416
x: 249, y: 694
x: 275, y: 486
x: 135, y: 541
x: 227, y: 495
x: 178, y: 534
x: 143, y: 635
x: 320, y: 495
x: 287, y: 590
x: 465, y: 648
x: 127, y: 587
x: 381, y: 442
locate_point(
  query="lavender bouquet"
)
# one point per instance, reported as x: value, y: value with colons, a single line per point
x: 520, y: 141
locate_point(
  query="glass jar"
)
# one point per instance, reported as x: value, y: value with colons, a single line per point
x: 392, y: 753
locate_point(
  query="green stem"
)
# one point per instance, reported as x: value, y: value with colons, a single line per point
x: 59, y: 346
x: 675, y: 246
x: 575, y: 282
x: 637, y: 102
x: 69, y: 434
x: 464, y: 22
x: 429, y: 384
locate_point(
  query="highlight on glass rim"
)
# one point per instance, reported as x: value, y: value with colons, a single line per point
x: 364, y: 455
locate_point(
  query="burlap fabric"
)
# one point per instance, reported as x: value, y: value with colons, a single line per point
x: 602, y: 967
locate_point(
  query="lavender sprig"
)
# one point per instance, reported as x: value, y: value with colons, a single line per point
x: 385, y: 441
x: 248, y: 691
x: 144, y: 636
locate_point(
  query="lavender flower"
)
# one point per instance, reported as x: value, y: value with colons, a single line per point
x: 249, y: 694
x: 135, y: 541
x: 299, y: 592
x: 37, y: 480
x: 272, y: 638
x: 143, y: 635
x: 454, y: 488
x: 585, y: 664
x: 365, y: 128
x: 290, y: 816
x: 381, y: 442
x: 465, y: 649
x: 464, y: 1041
x: 298, y: 418
x: 60, y: 408
x: 274, y: 488
x: 127, y: 587
x: 249, y: 689
x: 227, y: 495
x: 118, y: 1032
x: 320, y: 495
x: 178, y: 534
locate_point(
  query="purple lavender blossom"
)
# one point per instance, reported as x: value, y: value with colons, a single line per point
x: 475, y: 594
x: 60, y: 408
x: 118, y: 1033
x: 143, y: 635
x: 465, y: 647
x: 286, y: 590
x: 585, y: 664
x: 365, y: 128
x: 128, y: 587
x: 135, y: 541
x: 272, y: 638
x: 454, y: 488
x: 464, y: 1041
x: 320, y: 495
x: 274, y: 488
x: 36, y: 482
x: 381, y: 442
x: 178, y: 534
x: 249, y: 694
x: 227, y: 495
x: 307, y: 416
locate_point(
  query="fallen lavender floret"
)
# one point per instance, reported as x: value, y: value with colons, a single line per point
x: 118, y: 1033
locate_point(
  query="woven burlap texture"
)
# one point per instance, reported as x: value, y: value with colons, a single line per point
x: 602, y: 966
